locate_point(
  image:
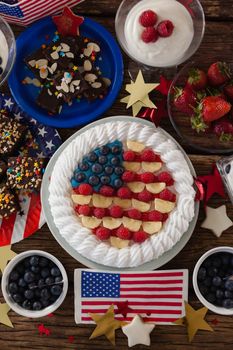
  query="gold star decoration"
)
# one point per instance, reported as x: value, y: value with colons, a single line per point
x: 139, y: 94
x: 6, y: 254
x: 106, y: 325
x: 194, y: 320
x: 4, y: 318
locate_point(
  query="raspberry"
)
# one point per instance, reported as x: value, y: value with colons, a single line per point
x: 140, y: 236
x: 124, y: 233
x: 134, y: 214
x: 148, y: 18
x: 165, y: 28
x: 165, y: 217
x: 128, y: 176
x: 107, y: 191
x: 77, y: 208
x: 84, y: 210
x: 165, y: 177
x: 76, y: 190
x: 124, y: 193
x: 147, y: 177
x: 99, y: 213
x: 148, y: 156
x: 103, y: 233
x: 150, y: 35
x: 129, y: 156
x: 155, y: 216
x: 166, y: 195
x: 145, y: 196
x: 116, y: 211
x: 145, y: 217
x: 85, y: 189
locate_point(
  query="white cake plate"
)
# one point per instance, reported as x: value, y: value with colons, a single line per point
x: 151, y: 265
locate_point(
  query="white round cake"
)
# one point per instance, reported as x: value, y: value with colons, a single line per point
x: 141, y: 219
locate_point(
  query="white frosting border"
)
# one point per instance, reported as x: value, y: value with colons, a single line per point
x: 82, y: 239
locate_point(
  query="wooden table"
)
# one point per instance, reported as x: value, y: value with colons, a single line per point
x: 217, y: 43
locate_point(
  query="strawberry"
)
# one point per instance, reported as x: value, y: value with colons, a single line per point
x: 218, y: 73
x: 124, y: 193
x: 228, y: 89
x: 224, y: 129
x: 149, y: 35
x: 165, y: 177
x: 124, y: 233
x: 84, y: 210
x: 103, y: 233
x: 107, y: 191
x: 185, y: 100
x: 140, y: 236
x: 166, y: 195
x: 197, y: 79
x: 85, y: 189
x: 155, y: 216
x: 149, y: 156
x: 165, y: 28
x: 147, y: 177
x: 148, y: 18
x: 116, y: 211
x: 134, y: 214
x: 145, y: 196
x: 129, y: 156
x: 99, y: 213
x: 128, y: 176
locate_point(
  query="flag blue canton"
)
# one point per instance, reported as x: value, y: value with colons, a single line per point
x: 14, y: 11
x: 100, y: 285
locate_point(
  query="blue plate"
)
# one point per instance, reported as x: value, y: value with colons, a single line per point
x: 110, y: 63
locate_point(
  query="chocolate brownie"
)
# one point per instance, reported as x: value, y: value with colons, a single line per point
x: 8, y: 201
x: 11, y: 135
x: 49, y: 99
x: 25, y: 173
x: 97, y: 85
x: 3, y: 168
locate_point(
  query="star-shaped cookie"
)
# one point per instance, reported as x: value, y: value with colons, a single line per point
x: 6, y: 254
x: 4, y: 318
x: 138, y: 332
x: 217, y: 220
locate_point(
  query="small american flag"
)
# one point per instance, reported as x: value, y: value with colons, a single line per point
x: 157, y: 296
x: 24, y: 12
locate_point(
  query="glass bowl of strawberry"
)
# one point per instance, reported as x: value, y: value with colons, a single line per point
x: 200, y: 106
x: 160, y: 33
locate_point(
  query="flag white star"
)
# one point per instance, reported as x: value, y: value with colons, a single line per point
x: 40, y: 155
x: 8, y: 103
x: 18, y: 116
x: 50, y: 145
x: 42, y: 131
x: 57, y: 134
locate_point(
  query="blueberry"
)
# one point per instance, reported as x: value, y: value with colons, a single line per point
x: 41, y: 283
x: 27, y: 304
x: 14, y: 276
x: 55, y: 271
x: 45, y: 272
x: 44, y: 303
x: 84, y: 166
x: 29, y: 277
x: 94, y: 180
x: 32, y: 285
x: 229, y: 285
x: 116, y: 149
x: 92, y: 157
x: 227, y: 303
x: 203, y: 289
x: 56, y: 289
x: 219, y: 294
x: 207, y: 282
x: 49, y: 280
x: 27, y: 262
x: 34, y: 261
x: 217, y: 261
x: 221, y: 273
x: 228, y: 294
x: 217, y: 281
x: 80, y: 177
x: 37, y: 306
x: 228, y: 168
x: 104, y: 150
x: 119, y: 170
x: 13, y: 288
x: 212, y: 271
x: 118, y: 183
x: 108, y: 170
x: 225, y: 259
x: 45, y: 295
x: 58, y: 279
x: 17, y: 298
x: 207, y: 263
x: 102, y: 160
x: 97, y: 168
x: 20, y: 268
x: 22, y: 282
x: 29, y: 294
x: 201, y: 275
x: 35, y: 269
x: 43, y: 262
x: 37, y: 292
x: 105, y: 180
x: 115, y: 161
x: 211, y: 298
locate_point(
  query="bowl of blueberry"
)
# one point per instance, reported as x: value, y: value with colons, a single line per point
x: 34, y: 284
x: 213, y: 280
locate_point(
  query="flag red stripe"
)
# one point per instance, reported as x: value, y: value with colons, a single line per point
x: 159, y: 296
x: 153, y: 282
x: 134, y: 303
x: 6, y: 229
x: 162, y: 274
x: 33, y: 215
x: 137, y: 311
x: 144, y: 289
x: 147, y: 319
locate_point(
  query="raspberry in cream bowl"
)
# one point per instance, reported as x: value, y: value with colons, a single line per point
x: 160, y: 33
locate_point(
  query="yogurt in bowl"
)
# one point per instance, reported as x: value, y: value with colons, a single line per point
x: 164, y: 52
x: 7, y: 50
x: 4, y: 52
